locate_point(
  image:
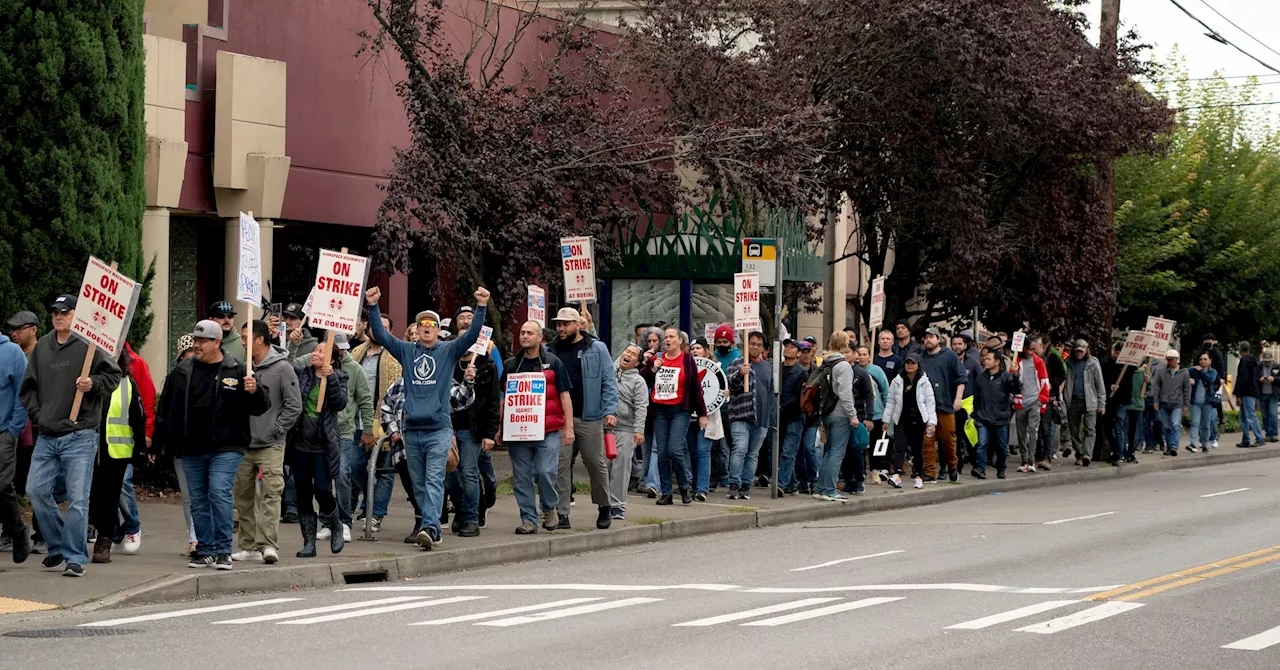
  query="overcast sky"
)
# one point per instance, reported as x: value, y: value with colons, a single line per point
x: 1161, y: 24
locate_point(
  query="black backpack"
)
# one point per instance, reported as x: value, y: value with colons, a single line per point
x: 817, y: 396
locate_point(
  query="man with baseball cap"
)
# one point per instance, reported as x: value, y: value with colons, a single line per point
x: 65, y: 449
x: 1171, y: 389
x: 22, y: 328
x: 203, y: 418
x: 223, y: 313
x: 298, y: 339
x: 427, y: 426
x: 1086, y: 395
x: 594, y: 394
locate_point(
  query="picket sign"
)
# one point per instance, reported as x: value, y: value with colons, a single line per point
x: 249, y: 286
x: 577, y: 259
x: 1019, y: 342
x: 746, y: 310
x: 524, y: 407
x: 537, y: 304
x: 328, y: 349
x: 112, y: 298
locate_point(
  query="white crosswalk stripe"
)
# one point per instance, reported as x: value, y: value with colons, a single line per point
x: 1257, y: 642
x: 568, y: 612
x: 498, y: 613
x: 1081, y: 618
x: 188, y: 612
x: 321, y: 610
x: 1011, y: 615
x: 821, y: 612
x: 759, y: 611
x: 378, y: 610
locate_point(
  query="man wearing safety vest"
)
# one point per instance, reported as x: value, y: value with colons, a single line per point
x: 124, y: 423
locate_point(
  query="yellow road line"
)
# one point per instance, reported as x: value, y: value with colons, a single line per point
x: 1188, y: 576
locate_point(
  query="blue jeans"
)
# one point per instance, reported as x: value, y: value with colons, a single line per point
x: 464, y: 482
x: 1171, y: 419
x: 670, y: 435
x: 1150, y: 424
x: 1203, y: 418
x: 792, y: 435
x: 343, y: 494
x: 70, y: 457
x: 1249, y: 417
x: 535, y: 463
x: 1001, y: 457
x: 426, y: 452
x: 699, y: 458
x: 651, y: 464
x: 1120, y: 432
x: 130, y: 523
x: 1269, y: 426
x: 358, y: 471
x: 807, y: 459
x: 839, y: 435
x: 289, y: 499
x: 747, y: 439
x: 210, y: 479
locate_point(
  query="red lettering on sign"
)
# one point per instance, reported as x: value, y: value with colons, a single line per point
x: 109, y: 284
x: 340, y: 268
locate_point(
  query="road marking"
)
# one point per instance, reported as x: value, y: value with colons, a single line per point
x: 1257, y: 642
x: 571, y: 611
x: 1190, y: 575
x: 1081, y: 618
x: 1223, y: 493
x: 498, y: 613
x: 1077, y: 518
x: 821, y: 612
x: 759, y: 611
x: 553, y: 587
x: 378, y: 610
x: 980, y: 588
x: 846, y: 560
x: 188, y: 612
x: 320, y: 610
x: 1003, y: 617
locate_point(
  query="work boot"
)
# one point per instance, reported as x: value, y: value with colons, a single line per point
x: 413, y: 534
x: 21, y: 545
x: 336, y: 540
x: 307, y: 522
x: 102, y: 549
x: 603, y: 520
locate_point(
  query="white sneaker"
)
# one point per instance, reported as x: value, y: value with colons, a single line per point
x: 269, y: 555
x: 917, y: 483
x: 1214, y: 444
x: 324, y: 534
x: 346, y: 533
x: 132, y: 541
x: 247, y: 555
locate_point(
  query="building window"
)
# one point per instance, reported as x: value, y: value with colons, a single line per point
x: 711, y: 304
x: 183, y: 310
x: 636, y: 301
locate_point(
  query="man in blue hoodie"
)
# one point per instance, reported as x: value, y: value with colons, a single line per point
x: 13, y: 420
x: 427, y: 427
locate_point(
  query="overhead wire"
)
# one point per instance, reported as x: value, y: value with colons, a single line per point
x: 1217, y: 37
x: 1237, y: 27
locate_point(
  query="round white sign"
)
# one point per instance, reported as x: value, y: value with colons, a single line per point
x: 715, y: 385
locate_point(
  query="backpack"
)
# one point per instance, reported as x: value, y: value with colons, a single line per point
x: 817, y: 397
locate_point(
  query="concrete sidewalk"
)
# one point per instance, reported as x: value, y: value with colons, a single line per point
x: 158, y: 571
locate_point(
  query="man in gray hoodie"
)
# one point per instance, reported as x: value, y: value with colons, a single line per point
x: 259, y: 508
x: 65, y: 449
x: 633, y: 409
x: 1171, y: 389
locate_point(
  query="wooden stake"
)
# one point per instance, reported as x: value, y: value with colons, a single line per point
x: 84, y: 372
x: 746, y: 379
x: 328, y: 356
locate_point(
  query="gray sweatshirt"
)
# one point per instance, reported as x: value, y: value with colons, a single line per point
x: 49, y: 387
x: 842, y: 384
x: 1171, y: 390
x: 633, y: 401
x: 276, y: 377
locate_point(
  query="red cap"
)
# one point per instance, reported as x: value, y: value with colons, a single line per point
x: 724, y: 332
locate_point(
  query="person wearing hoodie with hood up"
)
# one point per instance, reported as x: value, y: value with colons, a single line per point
x: 259, y: 508
x: 633, y: 410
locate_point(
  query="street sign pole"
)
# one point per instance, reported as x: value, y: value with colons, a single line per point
x: 776, y: 491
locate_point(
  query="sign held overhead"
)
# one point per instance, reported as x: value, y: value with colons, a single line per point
x: 578, y: 260
x: 338, y: 293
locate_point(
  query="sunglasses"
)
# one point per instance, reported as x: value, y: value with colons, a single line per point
x: 428, y: 323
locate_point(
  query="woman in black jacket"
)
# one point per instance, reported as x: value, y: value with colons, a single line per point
x: 313, y: 448
x: 123, y: 426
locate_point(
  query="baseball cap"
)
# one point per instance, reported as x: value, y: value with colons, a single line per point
x: 567, y: 314
x: 22, y: 320
x: 294, y: 310
x: 724, y: 332
x: 805, y: 344
x: 790, y: 343
x: 340, y: 341
x: 222, y: 308
x: 1172, y: 353
x: 207, y: 329
x: 1081, y: 345
x: 64, y: 303
x: 811, y: 340
x: 967, y: 335
x: 428, y: 314
x: 933, y: 331
x: 184, y: 343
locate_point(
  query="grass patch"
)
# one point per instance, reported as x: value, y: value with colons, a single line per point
x: 650, y: 520
x: 741, y: 510
x: 504, y: 487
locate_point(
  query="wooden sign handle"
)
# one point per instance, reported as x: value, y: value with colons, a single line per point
x: 84, y: 371
x: 328, y: 356
x: 746, y: 379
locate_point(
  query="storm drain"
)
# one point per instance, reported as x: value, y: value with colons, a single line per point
x: 70, y: 632
x: 364, y: 576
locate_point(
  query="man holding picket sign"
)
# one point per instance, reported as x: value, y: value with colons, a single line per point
x: 428, y: 425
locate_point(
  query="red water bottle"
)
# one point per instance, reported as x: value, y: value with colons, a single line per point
x: 610, y: 445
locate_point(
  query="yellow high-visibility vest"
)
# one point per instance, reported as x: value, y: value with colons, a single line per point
x: 119, y: 434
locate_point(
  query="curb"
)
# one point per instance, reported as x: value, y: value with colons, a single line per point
x: 189, y: 587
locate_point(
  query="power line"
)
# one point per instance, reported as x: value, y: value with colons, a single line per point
x: 1238, y: 76
x: 1237, y: 27
x: 1213, y: 35
x: 1233, y: 104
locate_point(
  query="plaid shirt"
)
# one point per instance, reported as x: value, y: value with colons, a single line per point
x: 462, y: 395
x: 392, y: 411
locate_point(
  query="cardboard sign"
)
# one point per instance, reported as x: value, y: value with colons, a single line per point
x: 306, y: 304
x: 481, y: 347
x: 1019, y: 342
x: 249, y: 285
x: 338, y: 293
x: 760, y: 255
x: 1162, y: 330
x: 524, y: 407
x: 538, y: 305
x: 104, y: 307
x: 715, y: 385
x: 746, y: 301
x: 579, y: 263
x: 709, y: 332
x: 1137, y: 346
x: 877, y: 303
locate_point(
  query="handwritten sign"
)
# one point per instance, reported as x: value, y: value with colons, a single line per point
x: 746, y: 301
x: 709, y: 332
x: 715, y: 385
x: 877, y: 303
x: 481, y: 347
x: 579, y: 263
x: 1019, y: 342
x: 249, y: 285
x: 1137, y: 346
x: 105, y: 306
x: 524, y: 407
x: 338, y: 292
x: 538, y: 305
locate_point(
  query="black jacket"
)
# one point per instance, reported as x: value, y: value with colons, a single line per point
x: 335, y: 400
x: 483, y: 418
x: 231, y: 411
x: 1247, y: 375
x: 793, y: 379
x: 993, y: 397
x: 863, y: 395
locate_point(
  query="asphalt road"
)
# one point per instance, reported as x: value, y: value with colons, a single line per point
x: 1022, y: 580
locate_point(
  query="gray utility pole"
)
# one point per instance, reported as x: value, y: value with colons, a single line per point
x: 1108, y: 36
